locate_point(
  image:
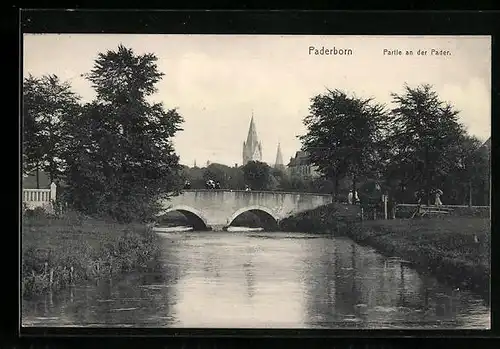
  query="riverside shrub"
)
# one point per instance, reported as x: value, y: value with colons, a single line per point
x: 58, y: 252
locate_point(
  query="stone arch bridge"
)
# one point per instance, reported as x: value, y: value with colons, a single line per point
x: 217, y: 209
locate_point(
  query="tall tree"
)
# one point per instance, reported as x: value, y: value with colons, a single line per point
x: 471, y: 169
x: 344, y: 136
x: 425, y: 132
x: 257, y: 175
x: 123, y: 161
x: 48, y: 103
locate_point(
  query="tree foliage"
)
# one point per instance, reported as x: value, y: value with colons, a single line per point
x: 418, y: 145
x: 257, y: 175
x: 121, y: 161
x: 228, y: 177
x: 344, y: 135
x: 425, y: 135
x: 48, y: 105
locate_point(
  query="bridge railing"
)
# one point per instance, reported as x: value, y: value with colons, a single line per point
x: 40, y: 197
x: 443, y: 206
x: 257, y: 191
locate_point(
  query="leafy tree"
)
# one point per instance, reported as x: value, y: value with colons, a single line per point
x: 257, y: 175
x: 321, y: 185
x: 344, y: 136
x: 223, y: 174
x: 469, y: 177
x: 48, y: 103
x: 236, y: 178
x: 122, y: 161
x: 424, y: 136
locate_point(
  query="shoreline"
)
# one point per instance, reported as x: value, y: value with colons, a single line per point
x: 428, y: 259
x: 60, y: 252
x: 445, y: 248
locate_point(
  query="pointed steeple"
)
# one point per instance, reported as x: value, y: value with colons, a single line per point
x: 252, y: 148
x: 252, y: 134
x: 279, y: 158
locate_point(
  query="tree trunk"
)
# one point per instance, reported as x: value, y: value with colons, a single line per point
x: 37, y: 177
x: 470, y: 193
x: 354, y: 189
x: 402, y: 193
x: 336, y: 188
x: 426, y: 177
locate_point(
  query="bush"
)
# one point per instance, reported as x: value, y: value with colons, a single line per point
x: 331, y: 217
x: 37, y: 212
x: 75, y: 248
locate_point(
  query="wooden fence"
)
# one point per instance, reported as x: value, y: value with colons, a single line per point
x: 40, y: 197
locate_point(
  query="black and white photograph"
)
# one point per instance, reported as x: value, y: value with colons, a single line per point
x: 256, y: 181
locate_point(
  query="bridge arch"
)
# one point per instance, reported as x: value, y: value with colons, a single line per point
x: 267, y: 217
x: 194, y: 216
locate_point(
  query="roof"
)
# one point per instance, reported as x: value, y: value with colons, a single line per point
x: 301, y: 158
x: 487, y: 144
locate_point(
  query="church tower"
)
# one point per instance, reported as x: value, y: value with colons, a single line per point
x: 252, y: 148
x: 279, y: 159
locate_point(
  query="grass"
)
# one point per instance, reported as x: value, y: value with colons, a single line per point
x: 458, y: 211
x: 61, y: 251
x: 444, y: 246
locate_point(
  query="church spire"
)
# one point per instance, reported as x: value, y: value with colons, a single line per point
x: 252, y: 133
x: 279, y: 158
x: 252, y: 148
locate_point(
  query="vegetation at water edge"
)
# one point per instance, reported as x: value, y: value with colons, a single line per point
x: 72, y: 249
x: 456, y: 249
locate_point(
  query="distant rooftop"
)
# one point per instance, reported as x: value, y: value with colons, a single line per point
x: 301, y: 158
x: 487, y: 144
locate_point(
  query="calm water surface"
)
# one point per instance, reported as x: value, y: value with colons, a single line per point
x: 265, y: 280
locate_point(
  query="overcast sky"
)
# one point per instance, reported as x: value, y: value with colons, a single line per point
x: 216, y: 81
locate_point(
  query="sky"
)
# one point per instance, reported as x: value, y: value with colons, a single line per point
x: 218, y: 81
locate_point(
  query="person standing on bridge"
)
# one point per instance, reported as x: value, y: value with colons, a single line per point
x: 352, y: 198
x: 437, y: 194
x: 419, y: 194
x: 210, y: 184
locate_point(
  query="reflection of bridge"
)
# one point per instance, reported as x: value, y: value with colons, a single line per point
x: 217, y: 209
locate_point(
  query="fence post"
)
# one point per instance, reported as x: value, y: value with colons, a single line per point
x: 53, y: 191
x: 385, y: 206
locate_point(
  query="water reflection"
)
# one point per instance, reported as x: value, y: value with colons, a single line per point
x: 248, y: 279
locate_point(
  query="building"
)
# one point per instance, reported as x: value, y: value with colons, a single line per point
x: 301, y: 166
x: 252, y: 148
x: 279, y: 159
x: 487, y: 145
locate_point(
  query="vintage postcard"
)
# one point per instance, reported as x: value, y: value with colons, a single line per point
x: 256, y: 181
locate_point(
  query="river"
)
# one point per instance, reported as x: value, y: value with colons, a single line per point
x: 252, y: 279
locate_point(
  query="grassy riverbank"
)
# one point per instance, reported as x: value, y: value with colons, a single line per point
x: 444, y: 246
x: 60, y: 251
